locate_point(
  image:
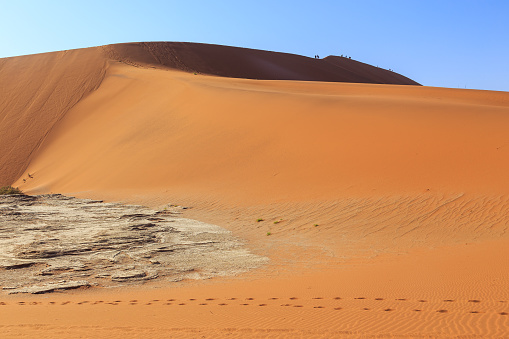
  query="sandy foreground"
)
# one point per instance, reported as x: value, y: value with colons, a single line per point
x: 385, y: 207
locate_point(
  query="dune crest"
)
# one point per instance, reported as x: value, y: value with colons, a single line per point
x: 235, y: 62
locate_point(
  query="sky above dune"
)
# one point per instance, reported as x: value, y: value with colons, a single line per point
x: 455, y: 43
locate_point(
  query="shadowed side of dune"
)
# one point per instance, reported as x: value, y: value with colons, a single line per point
x: 37, y: 91
x: 247, y: 63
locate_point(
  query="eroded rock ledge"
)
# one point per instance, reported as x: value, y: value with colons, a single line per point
x: 53, y: 242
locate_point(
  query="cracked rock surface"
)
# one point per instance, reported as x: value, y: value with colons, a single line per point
x: 53, y: 242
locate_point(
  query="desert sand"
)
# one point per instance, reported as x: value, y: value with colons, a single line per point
x: 381, y: 204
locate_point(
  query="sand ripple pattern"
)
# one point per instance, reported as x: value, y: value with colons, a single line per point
x: 354, y: 227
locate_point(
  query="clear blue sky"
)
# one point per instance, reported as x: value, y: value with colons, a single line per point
x: 446, y: 43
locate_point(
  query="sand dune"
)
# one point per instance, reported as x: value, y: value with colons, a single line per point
x: 387, y: 206
x: 37, y: 90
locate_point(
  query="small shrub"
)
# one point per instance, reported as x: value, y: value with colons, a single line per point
x: 316, y: 225
x: 278, y: 221
x: 268, y: 233
x: 258, y: 220
x: 9, y: 190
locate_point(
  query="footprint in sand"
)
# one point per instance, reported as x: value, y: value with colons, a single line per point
x: 203, y: 304
x: 317, y: 298
x: 448, y: 300
x: 170, y: 300
x: 249, y: 298
x: 222, y: 304
x: 442, y: 311
x: 21, y: 303
x: 416, y: 310
x: 34, y: 303
x: 422, y: 301
x: 474, y: 301
x: 262, y: 305
x: 318, y: 307
x: 294, y: 298
x: 65, y: 303
x: 379, y: 298
x: 360, y: 298
x: 166, y: 304
x: 210, y: 299
x: 401, y: 299
x: 181, y: 304
x: 244, y: 304
x: 475, y: 312
x: 337, y: 298
x: 366, y: 309
x: 133, y: 301
x: 273, y: 298
x: 503, y: 313
x: 285, y: 305
x: 192, y: 299
x: 2, y: 303
x: 232, y: 299
x: 338, y: 308
x: 388, y: 310
x: 297, y: 306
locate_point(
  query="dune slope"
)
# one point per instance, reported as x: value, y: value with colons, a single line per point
x: 153, y: 130
x: 37, y: 91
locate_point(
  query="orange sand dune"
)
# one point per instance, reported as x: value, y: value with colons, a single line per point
x: 37, y: 90
x: 391, y: 198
